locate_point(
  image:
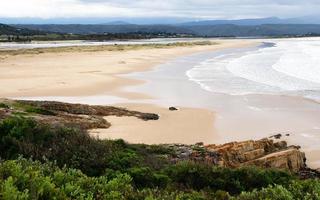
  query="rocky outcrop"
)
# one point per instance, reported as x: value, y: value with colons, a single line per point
x: 197, y: 152
x: 263, y: 153
x: 291, y: 159
x: 82, y: 109
x: 75, y: 115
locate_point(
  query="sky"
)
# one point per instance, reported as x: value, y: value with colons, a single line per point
x: 191, y: 9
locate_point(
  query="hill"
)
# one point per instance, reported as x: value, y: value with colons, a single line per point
x: 308, y: 19
x: 273, y: 30
x: 101, y: 29
x: 255, y: 22
x: 11, y: 30
x: 200, y: 29
x: 116, y: 23
x: 241, y: 22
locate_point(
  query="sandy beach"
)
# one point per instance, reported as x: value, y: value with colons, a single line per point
x: 92, y: 75
x: 80, y: 74
x: 186, y: 126
x: 83, y: 73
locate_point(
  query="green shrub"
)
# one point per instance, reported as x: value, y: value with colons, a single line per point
x: 305, y: 190
x: 76, y: 166
x: 277, y: 192
x: 30, y: 109
x: 71, y: 147
x: 25, y: 179
x: 146, y: 177
x: 191, y: 175
x: 3, y: 105
x: 199, y: 176
x: 68, y: 146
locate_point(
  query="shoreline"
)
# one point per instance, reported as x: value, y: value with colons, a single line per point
x: 101, y: 73
x: 89, y: 73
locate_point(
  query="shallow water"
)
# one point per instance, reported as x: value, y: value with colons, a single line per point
x: 32, y: 45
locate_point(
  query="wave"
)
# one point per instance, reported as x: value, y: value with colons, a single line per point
x: 287, y: 67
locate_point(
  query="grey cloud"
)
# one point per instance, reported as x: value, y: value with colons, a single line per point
x: 195, y: 9
x: 217, y: 8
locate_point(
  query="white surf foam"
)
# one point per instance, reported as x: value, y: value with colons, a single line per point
x: 289, y: 67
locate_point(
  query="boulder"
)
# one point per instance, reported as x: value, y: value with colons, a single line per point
x: 291, y: 159
x: 173, y: 108
x: 263, y: 153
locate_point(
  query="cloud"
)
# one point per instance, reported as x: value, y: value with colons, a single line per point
x: 209, y: 9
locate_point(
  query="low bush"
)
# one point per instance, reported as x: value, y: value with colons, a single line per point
x: 40, y: 111
x: 69, y: 164
x: 69, y: 146
x: 3, y: 105
x: 200, y: 176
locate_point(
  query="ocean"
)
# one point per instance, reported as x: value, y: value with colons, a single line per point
x: 282, y: 67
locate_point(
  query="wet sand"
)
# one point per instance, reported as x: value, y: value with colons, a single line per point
x: 185, y: 125
x: 84, y: 73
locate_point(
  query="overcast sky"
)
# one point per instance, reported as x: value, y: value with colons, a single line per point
x: 197, y: 9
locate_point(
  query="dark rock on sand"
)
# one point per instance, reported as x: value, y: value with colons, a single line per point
x: 277, y: 136
x: 173, y: 108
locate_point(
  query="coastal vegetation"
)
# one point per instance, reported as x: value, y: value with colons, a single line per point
x: 116, y: 47
x: 21, y: 34
x: 196, y: 29
x: 103, y: 32
x: 58, y: 161
x: 43, y: 36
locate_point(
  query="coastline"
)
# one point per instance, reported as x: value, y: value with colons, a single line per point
x: 81, y: 74
x: 100, y: 73
x: 89, y: 72
x: 80, y: 77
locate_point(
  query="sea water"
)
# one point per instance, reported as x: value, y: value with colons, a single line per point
x: 288, y: 67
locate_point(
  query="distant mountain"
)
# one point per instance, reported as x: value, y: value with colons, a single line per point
x: 101, y: 29
x: 223, y: 30
x: 242, y: 22
x: 116, y: 23
x: 272, y: 26
x: 95, y: 20
x: 312, y: 19
x: 256, y: 31
x: 10, y: 30
x: 255, y: 22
